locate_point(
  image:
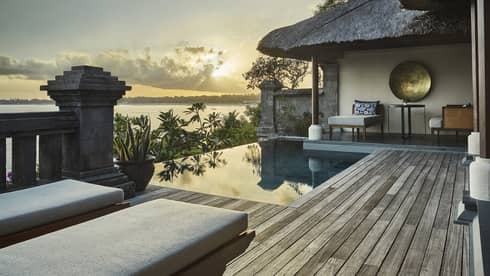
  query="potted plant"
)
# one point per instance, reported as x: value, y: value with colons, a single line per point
x: 132, y: 149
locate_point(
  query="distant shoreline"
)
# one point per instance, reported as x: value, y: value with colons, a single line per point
x: 225, y: 99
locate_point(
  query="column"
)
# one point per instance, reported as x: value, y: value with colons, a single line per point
x: 267, y: 125
x: 87, y: 154
x: 474, y: 137
x: 480, y: 169
x: 315, y: 130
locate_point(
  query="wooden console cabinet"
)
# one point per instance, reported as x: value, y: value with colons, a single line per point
x: 457, y: 117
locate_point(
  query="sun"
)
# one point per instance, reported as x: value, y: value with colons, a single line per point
x: 223, y: 71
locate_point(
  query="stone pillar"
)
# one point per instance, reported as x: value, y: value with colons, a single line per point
x: 88, y: 154
x: 267, y: 126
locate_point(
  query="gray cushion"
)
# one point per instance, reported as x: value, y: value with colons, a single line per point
x: 36, y: 206
x: 354, y: 120
x: 435, y: 123
x: 155, y: 238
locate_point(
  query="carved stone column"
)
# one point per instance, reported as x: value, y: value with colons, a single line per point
x: 88, y: 154
x: 267, y: 126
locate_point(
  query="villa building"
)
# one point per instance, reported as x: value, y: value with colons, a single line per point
x: 357, y: 46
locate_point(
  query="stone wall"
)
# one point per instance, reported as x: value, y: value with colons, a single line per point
x: 288, y: 111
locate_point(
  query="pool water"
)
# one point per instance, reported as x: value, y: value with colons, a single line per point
x: 277, y: 172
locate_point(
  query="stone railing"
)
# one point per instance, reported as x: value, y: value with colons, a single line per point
x: 75, y: 142
x: 25, y: 129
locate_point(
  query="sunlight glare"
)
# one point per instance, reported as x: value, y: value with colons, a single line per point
x: 224, y: 70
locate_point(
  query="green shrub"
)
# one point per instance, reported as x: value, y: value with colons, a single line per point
x: 132, y: 138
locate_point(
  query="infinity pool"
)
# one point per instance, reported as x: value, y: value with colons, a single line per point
x: 277, y: 172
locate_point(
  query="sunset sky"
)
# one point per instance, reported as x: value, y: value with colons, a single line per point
x: 161, y: 47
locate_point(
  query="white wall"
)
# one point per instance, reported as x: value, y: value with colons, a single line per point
x: 364, y: 75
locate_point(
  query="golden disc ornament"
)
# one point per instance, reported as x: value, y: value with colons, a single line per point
x: 410, y: 81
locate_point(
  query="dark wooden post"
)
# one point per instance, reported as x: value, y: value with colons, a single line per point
x: 480, y: 168
x: 315, y: 130
x: 483, y: 26
x: 475, y: 68
x: 315, y: 92
x: 3, y: 164
x: 91, y: 94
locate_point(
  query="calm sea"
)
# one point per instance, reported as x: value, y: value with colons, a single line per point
x: 132, y: 110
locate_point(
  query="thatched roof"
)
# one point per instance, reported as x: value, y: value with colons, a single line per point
x: 366, y: 24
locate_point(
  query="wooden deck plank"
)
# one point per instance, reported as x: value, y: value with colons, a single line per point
x: 328, y: 241
x: 283, y: 228
x: 160, y: 193
x: 374, y: 232
x: 356, y: 259
x: 415, y: 255
x: 382, y: 245
x: 335, y: 219
x: 266, y: 214
x: 435, y: 250
x: 391, y: 208
x: 466, y: 252
x: 345, y: 175
x: 276, y: 257
x: 398, y: 251
x: 452, y: 260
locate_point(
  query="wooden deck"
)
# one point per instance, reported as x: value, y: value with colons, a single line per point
x: 390, y: 213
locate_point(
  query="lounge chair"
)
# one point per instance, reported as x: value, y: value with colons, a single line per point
x: 29, y: 213
x: 356, y: 121
x: 160, y: 237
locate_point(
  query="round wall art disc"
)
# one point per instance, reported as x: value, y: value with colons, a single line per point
x: 410, y: 81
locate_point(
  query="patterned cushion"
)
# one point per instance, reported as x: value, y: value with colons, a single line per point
x: 365, y: 107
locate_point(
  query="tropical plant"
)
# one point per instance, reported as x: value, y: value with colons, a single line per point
x: 132, y: 138
x: 180, y: 137
x: 253, y: 114
x: 328, y: 4
x: 289, y: 72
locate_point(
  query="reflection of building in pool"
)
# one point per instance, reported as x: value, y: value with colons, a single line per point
x: 283, y: 163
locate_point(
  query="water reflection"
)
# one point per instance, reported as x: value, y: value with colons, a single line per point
x: 197, y: 165
x: 253, y: 157
x: 272, y: 171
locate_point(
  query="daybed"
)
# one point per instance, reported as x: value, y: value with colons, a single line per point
x: 358, y: 120
x: 36, y: 211
x: 160, y: 237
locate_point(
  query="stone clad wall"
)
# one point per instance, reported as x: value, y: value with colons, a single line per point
x: 275, y: 100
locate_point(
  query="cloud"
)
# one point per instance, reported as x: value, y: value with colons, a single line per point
x: 30, y: 69
x: 189, y: 68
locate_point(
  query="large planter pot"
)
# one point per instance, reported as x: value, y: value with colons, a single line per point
x: 140, y: 172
